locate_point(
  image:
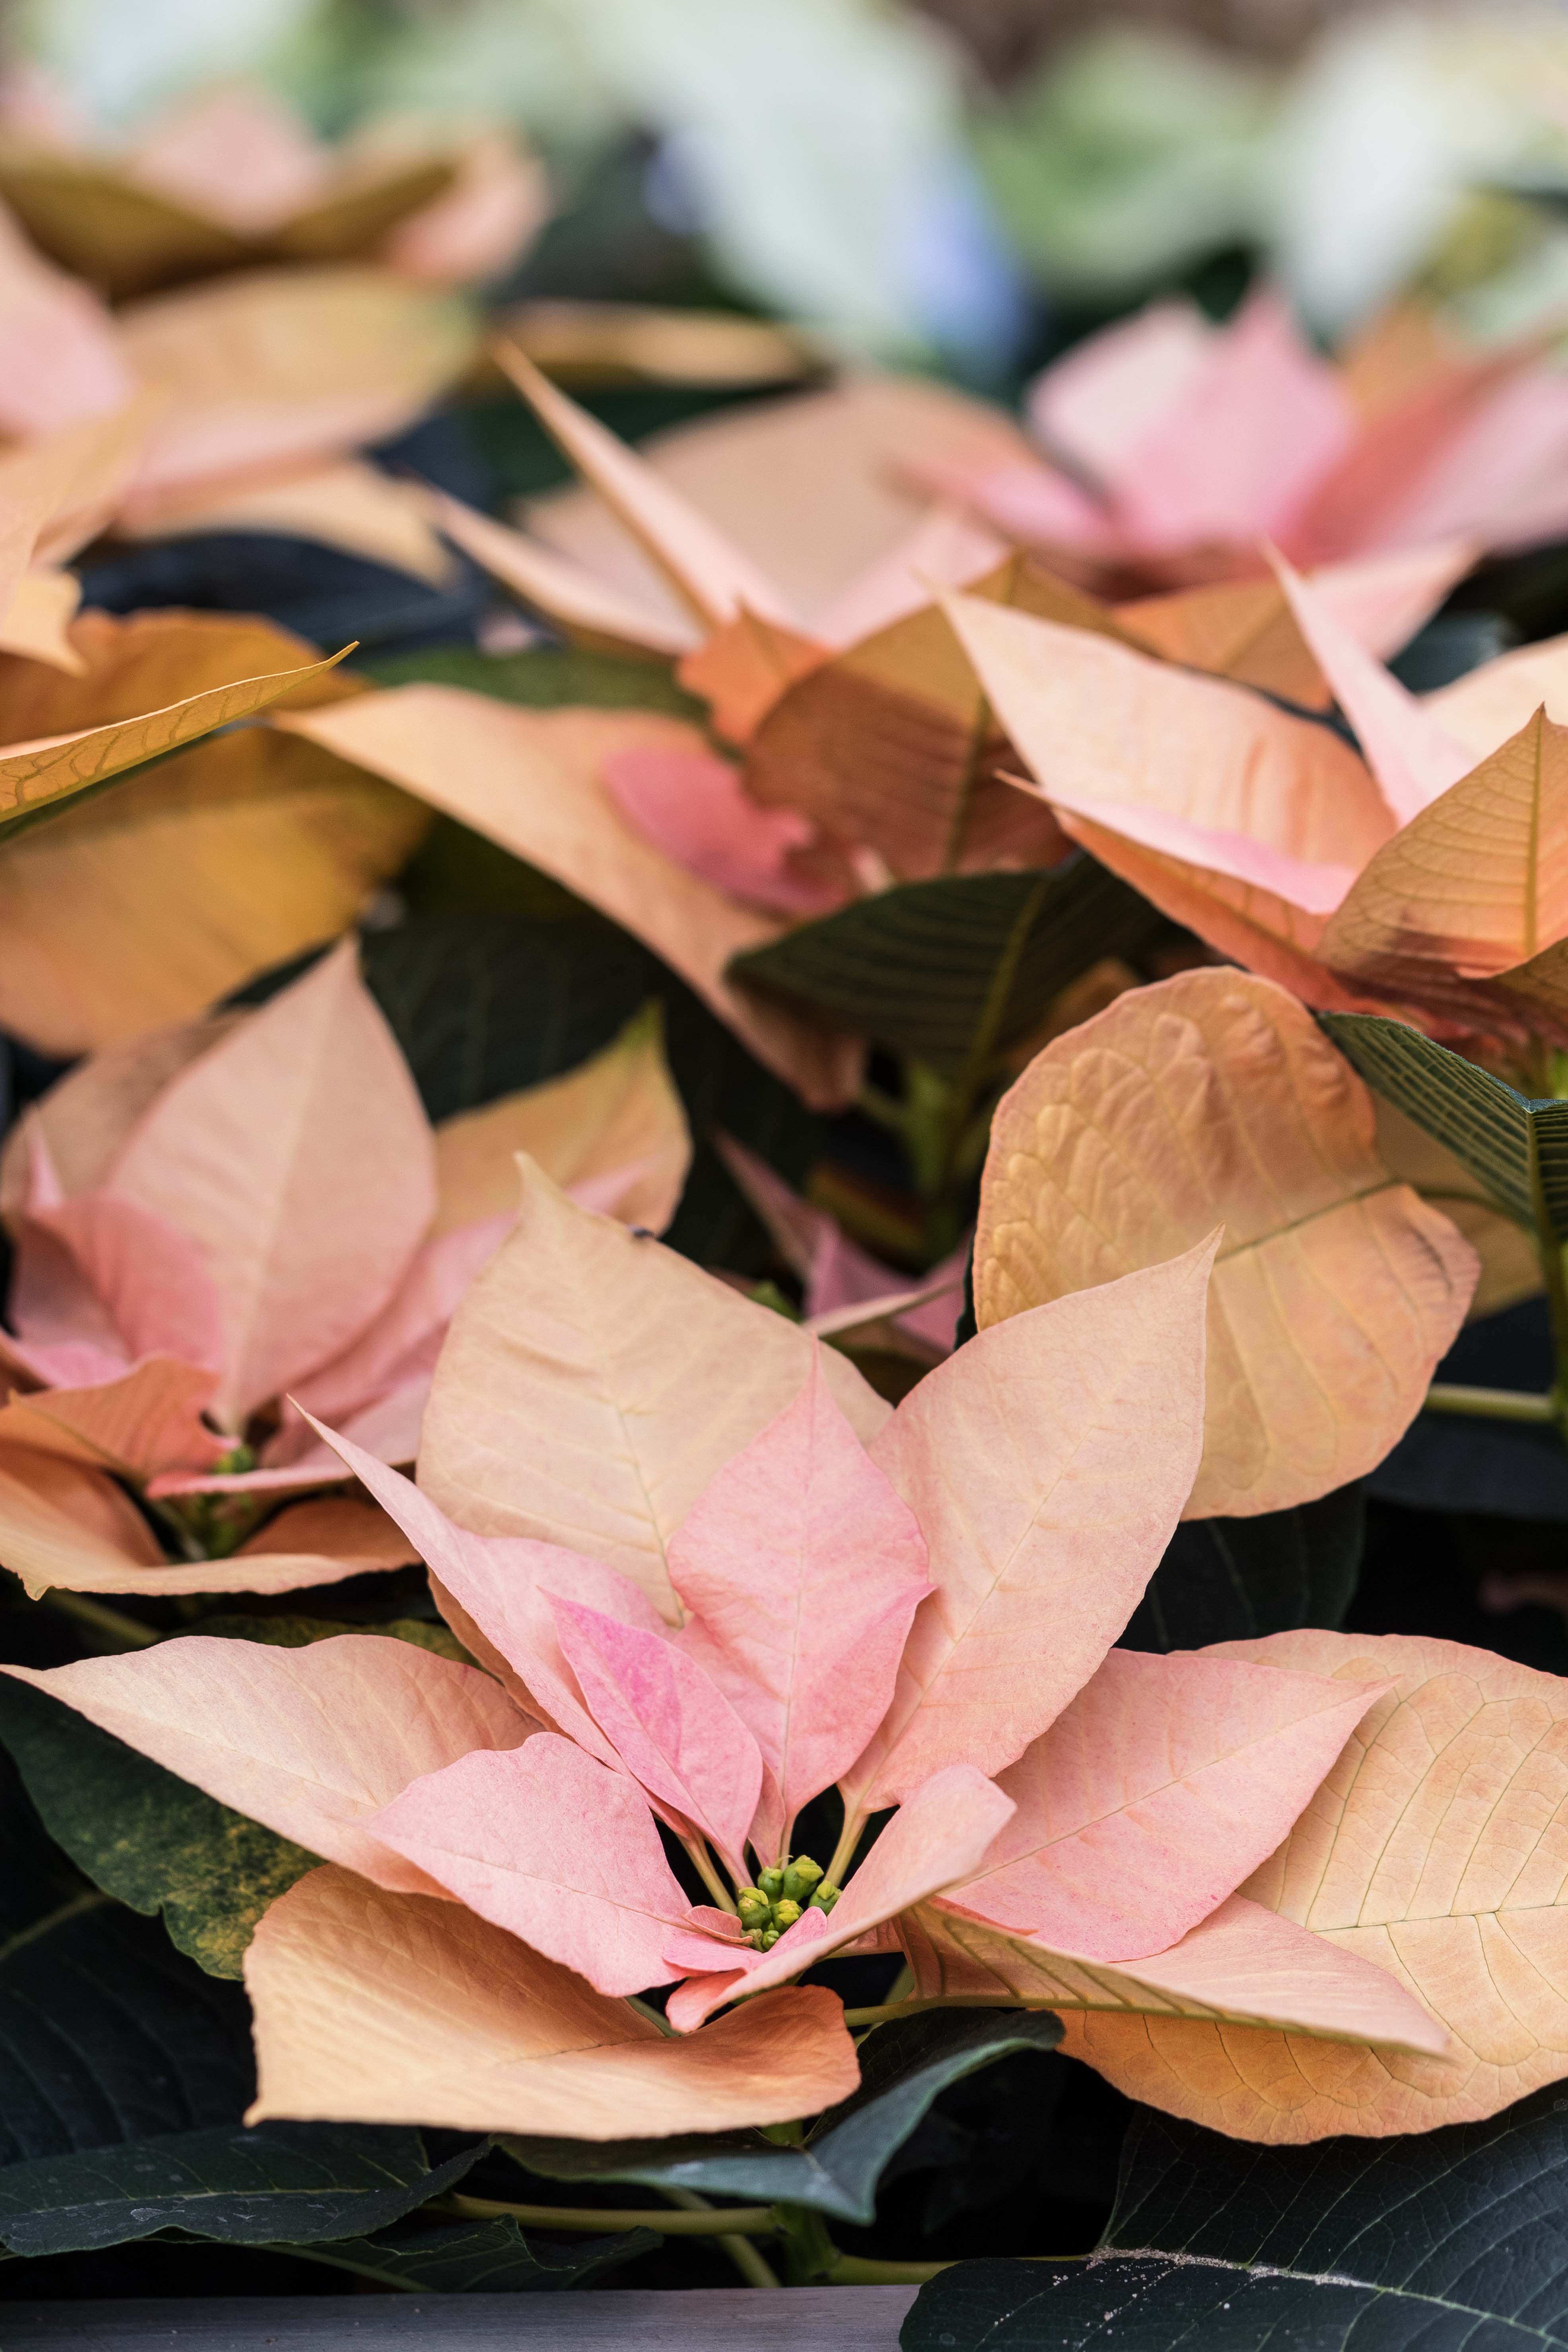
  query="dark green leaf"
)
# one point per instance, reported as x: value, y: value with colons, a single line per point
x: 107, y: 2035
x: 1233, y: 1579
x: 282, y: 2182
x: 483, y: 1008
x: 1451, y: 645
x: 1516, y: 1145
x: 1451, y: 2241
x: 479, y: 2257
x: 544, y: 679
x: 957, y: 967
x: 146, y: 1837
x: 903, y: 2067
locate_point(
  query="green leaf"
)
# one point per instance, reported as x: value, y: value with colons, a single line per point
x: 1451, y: 2241
x: 1515, y: 1144
x: 958, y: 967
x: 904, y: 2066
x: 107, y: 2034
x: 478, y: 2257
x: 1233, y: 1579
x: 145, y: 1836
x: 544, y: 679
x: 281, y: 2182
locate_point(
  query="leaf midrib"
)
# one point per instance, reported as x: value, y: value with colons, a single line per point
x: 1183, y: 2260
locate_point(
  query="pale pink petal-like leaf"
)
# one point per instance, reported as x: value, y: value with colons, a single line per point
x: 695, y: 809
x: 395, y: 2008
x: 1254, y: 431
x: 584, y: 605
x: 489, y: 1587
x: 1163, y: 1785
x: 312, y: 1742
x: 593, y: 1383
x: 945, y: 548
x: 1097, y: 723
x: 545, y: 1842
x: 1078, y: 1440
x: 142, y: 1273
x: 709, y: 575
x: 1243, y: 1966
x: 296, y: 1155
x: 938, y: 1836
x: 803, y: 1570
x: 1107, y: 397
x: 1410, y: 752
x: 406, y: 1337
x: 668, y: 1724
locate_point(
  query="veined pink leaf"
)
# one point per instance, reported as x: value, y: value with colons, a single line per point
x: 668, y: 1724
x: 400, y: 2009
x: 695, y: 809
x: 488, y: 1588
x: 1235, y: 1969
x: 297, y: 1157
x: 938, y: 1836
x: 310, y: 1742
x: 803, y: 1570
x: 1411, y: 754
x: 1080, y: 1438
x: 543, y: 1841
x: 1163, y: 1785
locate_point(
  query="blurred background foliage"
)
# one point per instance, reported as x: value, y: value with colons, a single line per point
x: 960, y: 183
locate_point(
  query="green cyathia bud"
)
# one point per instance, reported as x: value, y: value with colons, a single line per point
x: 768, y: 1938
x: 800, y: 1877
x: 771, y: 1881
x: 825, y: 1896
x: 754, y: 1906
x: 237, y: 1458
x: 786, y: 1913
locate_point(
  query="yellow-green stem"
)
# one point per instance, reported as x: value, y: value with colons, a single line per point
x: 751, y: 2265
x: 111, y: 1625
x: 702, y: 1864
x: 740, y: 2221
x: 1490, y: 1404
x: 858, y: 2270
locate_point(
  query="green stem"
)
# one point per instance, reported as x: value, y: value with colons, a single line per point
x: 843, y: 1853
x: 857, y: 2270
x: 702, y: 1864
x: 1489, y: 1404
x: 111, y: 1625
x: 701, y: 2221
x: 91, y: 1900
x: 753, y: 2267
x: 884, y: 2011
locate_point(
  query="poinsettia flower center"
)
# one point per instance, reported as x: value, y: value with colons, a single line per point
x: 781, y: 1893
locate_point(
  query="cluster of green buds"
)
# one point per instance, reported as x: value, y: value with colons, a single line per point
x: 781, y: 1893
